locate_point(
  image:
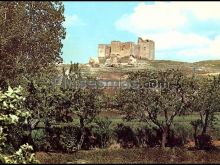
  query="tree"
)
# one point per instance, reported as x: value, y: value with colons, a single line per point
x: 31, y: 35
x: 85, y: 100
x: 40, y: 94
x: 206, y: 103
x: 158, y: 97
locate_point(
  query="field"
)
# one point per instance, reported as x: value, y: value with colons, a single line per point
x: 117, y: 118
x: 116, y: 154
x: 119, y: 156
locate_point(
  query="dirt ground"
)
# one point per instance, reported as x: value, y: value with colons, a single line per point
x: 138, y: 155
x: 216, y: 143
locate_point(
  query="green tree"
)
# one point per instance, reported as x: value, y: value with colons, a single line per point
x: 158, y: 98
x: 85, y: 100
x: 206, y: 103
x: 31, y: 35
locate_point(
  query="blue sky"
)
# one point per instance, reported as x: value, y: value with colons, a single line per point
x: 182, y: 31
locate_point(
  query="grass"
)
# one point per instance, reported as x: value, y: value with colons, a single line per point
x: 179, y: 121
x: 136, y: 155
x: 148, y: 155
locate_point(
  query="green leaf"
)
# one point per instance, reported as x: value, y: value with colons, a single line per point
x: 12, y: 106
x: 5, y: 104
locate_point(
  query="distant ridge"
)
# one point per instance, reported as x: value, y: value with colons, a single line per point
x: 205, y: 67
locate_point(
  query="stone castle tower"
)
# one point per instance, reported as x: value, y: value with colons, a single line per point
x: 144, y: 49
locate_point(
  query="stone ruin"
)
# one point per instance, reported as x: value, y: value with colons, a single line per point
x: 116, y: 53
x: 93, y: 62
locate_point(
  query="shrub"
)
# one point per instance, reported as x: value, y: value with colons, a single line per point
x: 19, y: 134
x: 204, y: 142
x: 22, y: 156
x: 13, y: 113
x: 40, y: 140
x: 125, y: 136
x: 148, y: 136
x: 63, y: 138
x: 179, y: 135
x: 102, y: 132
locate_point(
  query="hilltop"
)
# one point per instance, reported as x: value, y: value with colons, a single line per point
x: 200, y: 68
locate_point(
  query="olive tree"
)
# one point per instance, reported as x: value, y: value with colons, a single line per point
x: 83, y: 97
x: 206, y: 103
x: 157, y: 97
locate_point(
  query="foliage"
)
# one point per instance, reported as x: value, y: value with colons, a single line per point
x: 180, y: 135
x: 22, y: 156
x: 125, y: 136
x: 40, y: 140
x: 63, y: 102
x: 165, y: 93
x: 84, y: 102
x: 56, y: 138
x: 69, y: 138
x: 102, y: 131
x: 12, y: 113
x: 31, y: 35
x: 40, y: 97
x: 206, y: 104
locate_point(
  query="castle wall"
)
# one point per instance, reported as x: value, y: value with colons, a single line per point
x: 115, y: 47
x: 144, y: 49
x: 136, y: 51
x: 101, y: 52
x: 126, y: 49
x: 107, y: 51
x: 152, y: 50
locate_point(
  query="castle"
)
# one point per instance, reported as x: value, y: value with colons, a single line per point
x: 119, y: 52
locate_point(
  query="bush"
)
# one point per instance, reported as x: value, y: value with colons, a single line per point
x: 148, y: 137
x: 19, y: 135
x: 56, y: 138
x: 12, y: 113
x: 179, y: 135
x: 23, y: 156
x: 63, y: 138
x: 205, y: 142
x: 69, y: 138
x: 40, y: 141
x: 66, y: 138
x: 102, y: 132
x: 126, y: 136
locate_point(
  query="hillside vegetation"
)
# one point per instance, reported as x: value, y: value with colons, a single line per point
x: 208, y: 67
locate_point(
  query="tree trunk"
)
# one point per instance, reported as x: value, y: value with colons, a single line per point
x: 195, y: 136
x: 164, y: 136
x: 82, y: 134
x: 205, y: 124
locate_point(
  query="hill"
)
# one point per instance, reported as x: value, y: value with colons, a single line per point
x: 209, y: 67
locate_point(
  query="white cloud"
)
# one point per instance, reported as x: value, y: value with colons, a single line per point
x: 166, y: 22
x: 177, y: 40
x: 72, y: 20
x: 187, y: 43
x: 202, y: 10
x: 160, y: 15
x: 215, y: 46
